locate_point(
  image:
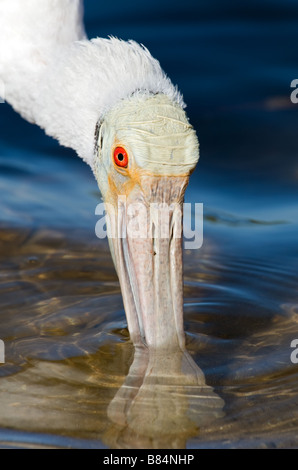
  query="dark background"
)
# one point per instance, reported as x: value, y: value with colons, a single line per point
x: 234, y: 62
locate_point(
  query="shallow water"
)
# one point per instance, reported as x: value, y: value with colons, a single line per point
x: 70, y: 378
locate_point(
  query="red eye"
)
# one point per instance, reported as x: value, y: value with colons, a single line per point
x: 120, y: 157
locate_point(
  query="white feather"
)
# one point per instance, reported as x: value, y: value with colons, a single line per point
x: 56, y: 78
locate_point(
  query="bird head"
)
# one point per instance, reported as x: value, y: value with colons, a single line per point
x: 146, y: 150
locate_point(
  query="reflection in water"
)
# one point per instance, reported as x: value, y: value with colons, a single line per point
x: 68, y: 355
x: 163, y: 402
x: 72, y: 379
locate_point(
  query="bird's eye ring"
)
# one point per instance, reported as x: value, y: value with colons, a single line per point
x: 120, y: 157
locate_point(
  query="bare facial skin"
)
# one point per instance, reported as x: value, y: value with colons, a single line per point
x: 148, y: 150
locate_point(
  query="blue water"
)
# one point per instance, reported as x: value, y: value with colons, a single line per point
x: 60, y: 305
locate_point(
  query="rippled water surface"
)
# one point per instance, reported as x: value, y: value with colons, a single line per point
x: 70, y: 377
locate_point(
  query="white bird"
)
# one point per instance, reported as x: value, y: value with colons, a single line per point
x: 111, y: 102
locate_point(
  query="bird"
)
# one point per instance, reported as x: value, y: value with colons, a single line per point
x: 111, y: 102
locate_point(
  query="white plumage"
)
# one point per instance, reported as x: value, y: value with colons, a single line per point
x: 56, y: 78
x: 108, y: 98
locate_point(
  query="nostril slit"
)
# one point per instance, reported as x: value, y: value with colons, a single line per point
x: 153, y: 239
x: 172, y: 225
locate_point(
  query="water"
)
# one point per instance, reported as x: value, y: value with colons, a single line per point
x: 70, y: 378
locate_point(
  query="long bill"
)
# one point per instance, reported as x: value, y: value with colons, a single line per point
x: 146, y: 244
